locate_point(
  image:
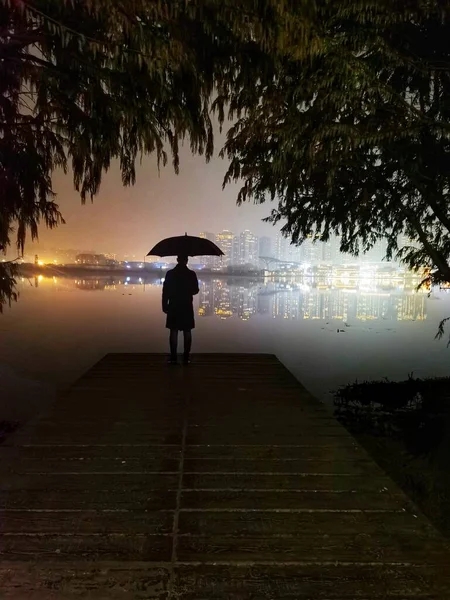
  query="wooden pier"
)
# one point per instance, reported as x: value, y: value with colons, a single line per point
x: 221, y: 480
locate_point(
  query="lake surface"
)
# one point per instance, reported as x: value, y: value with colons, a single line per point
x: 327, y: 335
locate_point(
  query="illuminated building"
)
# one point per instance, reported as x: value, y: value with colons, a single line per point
x: 330, y: 251
x: 281, y: 245
x: 248, y: 249
x: 236, y: 251
x: 327, y: 252
x: 209, y: 261
x: 310, y: 251
x: 92, y: 259
x: 294, y: 254
x: 225, y: 242
x: 265, y: 246
x: 287, y: 252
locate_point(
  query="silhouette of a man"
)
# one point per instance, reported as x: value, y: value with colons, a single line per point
x: 180, y: 285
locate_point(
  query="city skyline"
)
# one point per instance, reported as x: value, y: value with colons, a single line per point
x: 241, y: 248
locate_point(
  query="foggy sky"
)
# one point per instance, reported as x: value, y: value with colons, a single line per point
x: 132, y: 219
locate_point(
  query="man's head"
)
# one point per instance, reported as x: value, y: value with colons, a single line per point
x: 182, y: 260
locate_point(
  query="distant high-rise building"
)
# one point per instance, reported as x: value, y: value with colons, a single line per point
x: 281, y: 247
x: 286, y: 251
x: 326, y: 252
x: 207, y: 235
x: 294, y: 253
x: 265, y: 246
x: 376, y: 254
x: 265, y: 250
x: 209, y: 261
x: 248, y: 248
x: 92, y: 259
x: 225, y: 241
x: 311, y: 251
x: 330, y: 253
x: 236, y: 260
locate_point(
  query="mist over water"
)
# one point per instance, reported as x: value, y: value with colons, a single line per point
x: 326, y: 335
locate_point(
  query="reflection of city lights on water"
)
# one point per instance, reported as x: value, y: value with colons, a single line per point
x: 293, y: 299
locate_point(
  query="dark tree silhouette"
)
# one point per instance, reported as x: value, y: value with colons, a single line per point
x: 355, y: 140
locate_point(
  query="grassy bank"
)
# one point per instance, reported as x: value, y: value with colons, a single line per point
x: 405, y: 426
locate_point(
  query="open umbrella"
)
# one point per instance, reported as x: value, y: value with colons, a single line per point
x: 185, y: 245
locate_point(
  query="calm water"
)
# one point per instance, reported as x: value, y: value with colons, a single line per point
x: 60, y: 327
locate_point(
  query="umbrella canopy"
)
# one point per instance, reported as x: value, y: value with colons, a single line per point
x: 185, y: 245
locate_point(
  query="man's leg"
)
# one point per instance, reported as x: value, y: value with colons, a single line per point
x: 187, y: 344
x: 173, y: 340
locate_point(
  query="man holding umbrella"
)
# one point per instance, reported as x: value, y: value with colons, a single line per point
x: 180, y: 285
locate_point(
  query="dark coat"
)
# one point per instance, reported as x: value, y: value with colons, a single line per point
x: 179, y: 286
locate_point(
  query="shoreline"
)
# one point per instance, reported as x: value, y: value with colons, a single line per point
x: 405, y: 428
x: 318, y: 273
x: 26, y: 270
